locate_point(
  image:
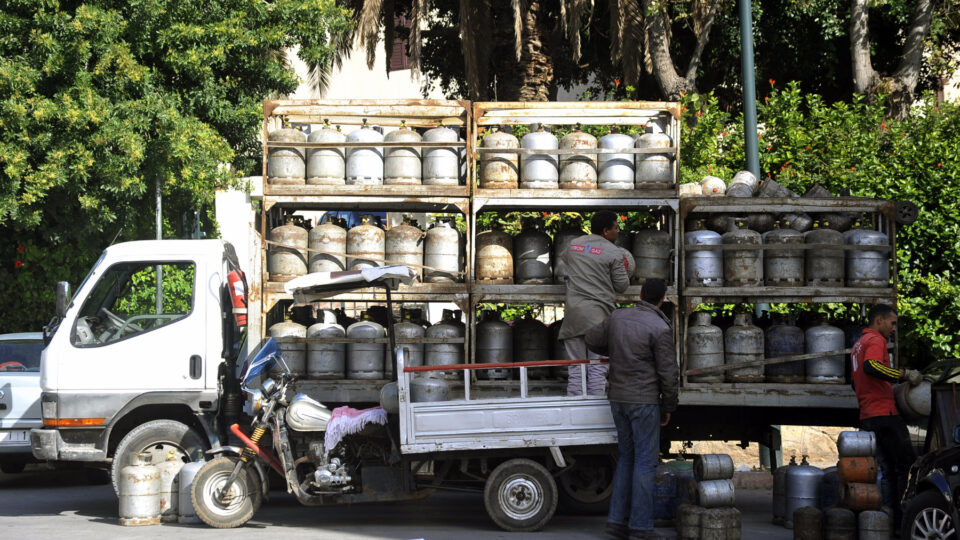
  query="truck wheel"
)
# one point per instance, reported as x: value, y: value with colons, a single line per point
x: 520, y: 495
x: 158, y: 438
x: 244, y: 497
x: 585, y: 488
x: 928, y: 516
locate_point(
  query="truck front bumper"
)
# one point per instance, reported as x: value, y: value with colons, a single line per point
x: 48, y: 445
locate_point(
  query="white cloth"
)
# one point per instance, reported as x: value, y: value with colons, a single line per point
x: 348, y: 421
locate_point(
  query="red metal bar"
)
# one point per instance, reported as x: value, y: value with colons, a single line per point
x: 536, y: 363
x: 267, y: 456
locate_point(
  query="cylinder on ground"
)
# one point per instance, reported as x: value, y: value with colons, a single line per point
x: 857, y: 469
x: 326, y: 166
x: 720, y: 524
x: 873, y: 525
x: 139, y: 492
x: 442, y: 252
x: 860, y: 497
x: 780, y: 492
x: 713, y: 467
x: 286, y: 165
x: 688, y: 521
x: 829, y: 488
x: 807, y: 523
x: 185, y: 510
x: 715, y: 493
x: 802, y: 488
x: 839, y: 524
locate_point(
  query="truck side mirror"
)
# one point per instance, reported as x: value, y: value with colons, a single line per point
x: 63, y: 298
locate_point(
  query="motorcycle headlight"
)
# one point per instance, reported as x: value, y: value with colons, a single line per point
x: 255, y: 399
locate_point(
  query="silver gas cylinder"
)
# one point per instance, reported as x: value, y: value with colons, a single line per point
x: 703, y: 268
x: 866, y: 268
x: 405, y: 331
x: 365, y: 359
x: 913, y: 402
x: 824, y: 266
x: 824, y: 338
x: 444, y: 354
x: 802, y: 488
x: 760, y: 221
x: 784, y: 339
x: 651, y: 251
x: 531, y: 255
x: 326, y: 166
x: 780, y: 491
x: 742, y: 268
x: 294, y: 353
x: 403, y: 244
x: 744, y: 184
x: 330, y: 237
x: 401, y: 164
x: 531, y: 343
x: 561, y: 244
x: 494, y: 346
x: 715, y: 493
x: 442, y: 252
x: 286, y: 165
x: 366, y: 244
x: 365, y: 165
x: 713, y: 467
x: 624, y: 238
x: 287, y: 257
x: 856, y: 444
x: 654, y: 168
x: 829, y: 488
x: 539, y: 171
x: 712, y: 186
x: 799, y: 221
x: 578, y: 171
x: 704, y: 347
x: 185, y: 510
x: 616, y: 170
x: 494, y: 259
x: 139, y: 492
x: 426, y: 390
x: 783, y: 267
x: 557, y: 350
x: 840, y: 524
x: 169, y: 487
x: 441, y: 166
x: 326, y: 360
x: 873, y: 525
x: 743, y: 342
x: 499, y: 170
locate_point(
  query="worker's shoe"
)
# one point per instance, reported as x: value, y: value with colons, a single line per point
x: 644, y: 535
x: 616, y: 530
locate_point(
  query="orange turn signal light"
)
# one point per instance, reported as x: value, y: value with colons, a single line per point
x: 73, y: 422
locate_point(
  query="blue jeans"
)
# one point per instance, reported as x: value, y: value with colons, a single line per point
x: 638, y: 437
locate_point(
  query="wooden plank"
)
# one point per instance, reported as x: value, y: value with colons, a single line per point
x: 315, y: 190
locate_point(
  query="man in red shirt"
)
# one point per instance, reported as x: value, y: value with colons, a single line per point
x: 873, y: 380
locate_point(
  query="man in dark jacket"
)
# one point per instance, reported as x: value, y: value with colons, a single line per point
x: 643, y: 382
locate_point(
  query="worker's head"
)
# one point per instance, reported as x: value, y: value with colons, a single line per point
x: 606, y: 224
x: 653, y: 291
x: 883, y: 319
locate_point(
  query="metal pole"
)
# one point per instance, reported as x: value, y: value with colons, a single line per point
x: 159, y: 268
x: 749, y: 89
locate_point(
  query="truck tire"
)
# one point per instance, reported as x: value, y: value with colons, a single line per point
x: 246, y: 494
x: 158, y: 438
x: 520, y: 495
x: 928, y: 516
x: 585, y: 488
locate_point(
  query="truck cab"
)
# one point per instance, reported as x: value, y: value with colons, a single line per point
x: 138, y: 359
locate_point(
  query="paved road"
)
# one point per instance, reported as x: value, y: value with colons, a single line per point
x: 48, y: 504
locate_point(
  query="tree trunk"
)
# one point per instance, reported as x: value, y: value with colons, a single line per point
x: 532, y: 77
x: 672, y: 84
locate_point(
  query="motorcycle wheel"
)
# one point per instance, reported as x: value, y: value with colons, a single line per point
x: 238, y: 508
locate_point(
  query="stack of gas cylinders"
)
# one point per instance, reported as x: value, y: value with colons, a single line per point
x: 709, y: 346
x: 153, y: 492
x: 710, y: 512
x: 522, y: 340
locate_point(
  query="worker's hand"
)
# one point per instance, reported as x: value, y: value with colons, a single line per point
x: 913, y: 377
x: 664, y: 418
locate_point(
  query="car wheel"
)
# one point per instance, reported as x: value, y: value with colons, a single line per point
x: 927, y: 517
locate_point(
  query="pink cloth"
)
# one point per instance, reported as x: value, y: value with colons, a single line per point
x: 348, y: 421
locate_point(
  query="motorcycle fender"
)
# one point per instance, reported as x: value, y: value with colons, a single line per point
x: 257, y: 465
x: 233, y: 450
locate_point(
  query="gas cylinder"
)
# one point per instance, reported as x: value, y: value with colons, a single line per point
x: 330, y: 237
x: 742, y: 268
x: 839, y: 524
x: 713, y: 467
x: 561, y: 244
x: 688, y: 521
x: 169, y: 487
x: 704, y: 347
x: 743, y: 342
x: 403, y: 244
x: 531, y: 343
x: 441, y: 166
x: 286, y: 166
x: 802, y: 485
x: 721, y: 523
x: 499, y: 170
x: 829, y: 488
x: 782, y: 267
x: 653, y: 168
x: 365, y: 165
x: 873, y: 525
x: 780, y: 491
x: 366, y: 244
x: 664, y: 493
x: 494, y: 345
x: 861, y: 470
x: 531, y: 255
x: 402, y: 165
x: 784, y: 339
x: 578, y: 171
x: 425, y: 390
x: 715, y: 493
x: 139, y: 492
x: 824, y: 338
x: 703, y: 268
x: 744, y: 184
x: 651, y: 251
x: 760, y: 221
x: 689, y: 189
x: 799, y: 221
x: 807, y: 523
x: 326, y: 360
x: 913, y: 402
x: 866, y: 268
x: 285, y: 262
x: 539, y: 171
x: 494, y: 258
x: 442, y: 252
x: 326, y: 166
x: 444, y: 354
x: 856, y: 444
x: 185, y: 510
x: 712, y: 186
x: 294, y: 353
x: 365, y: 359
x: 824, y: 267
x: 860, y: 497
x: 407, y: 330
x: 557, y: 350
x: 616, y: 170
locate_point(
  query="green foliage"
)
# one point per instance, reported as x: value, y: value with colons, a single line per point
x: 140, y: 293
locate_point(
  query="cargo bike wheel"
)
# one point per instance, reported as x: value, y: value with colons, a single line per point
x: 520, y: 495
x: 231, y: 509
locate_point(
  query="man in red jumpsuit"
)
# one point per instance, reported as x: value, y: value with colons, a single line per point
x: 873, y: 380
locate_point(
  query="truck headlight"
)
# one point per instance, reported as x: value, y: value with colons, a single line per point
x: 48, y: 407
x: 255, y: 399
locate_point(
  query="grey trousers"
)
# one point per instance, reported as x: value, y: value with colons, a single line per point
x: 596, y: 374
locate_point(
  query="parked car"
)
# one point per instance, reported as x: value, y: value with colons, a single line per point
x: 19, y: 397
x: 930, y: 505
